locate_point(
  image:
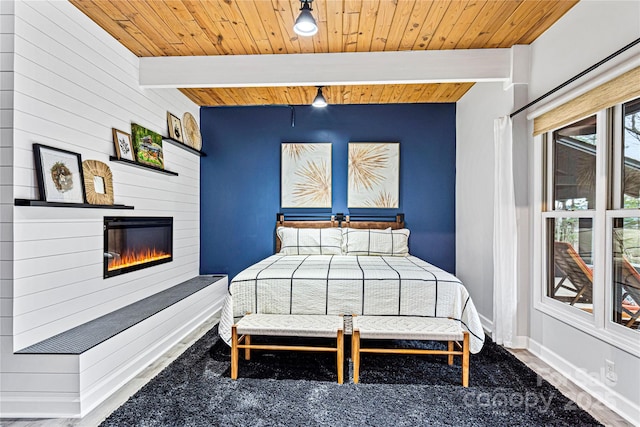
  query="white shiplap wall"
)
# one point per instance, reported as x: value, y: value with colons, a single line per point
x: 6, y: 171
x: 71, y: 84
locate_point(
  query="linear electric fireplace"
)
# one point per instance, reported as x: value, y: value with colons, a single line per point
x: 133, y: 243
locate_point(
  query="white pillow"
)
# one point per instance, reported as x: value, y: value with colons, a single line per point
x: 375, y: 242
x: 310, y: 241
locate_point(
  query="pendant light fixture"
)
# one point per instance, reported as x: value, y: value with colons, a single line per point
x: 319, y: 100
x: 305, y: 24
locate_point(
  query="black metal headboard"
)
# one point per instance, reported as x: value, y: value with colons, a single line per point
x: 394, y: 221
x: 338, y: 220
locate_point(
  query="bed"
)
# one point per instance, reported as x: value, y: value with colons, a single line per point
x: 345, y: 266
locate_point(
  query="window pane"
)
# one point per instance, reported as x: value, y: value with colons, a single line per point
x: 574, y: 151
x: 570, y: 261
x: 631, y: 153
x: 626, y: 279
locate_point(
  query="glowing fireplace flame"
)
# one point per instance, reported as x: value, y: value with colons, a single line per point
x: 129, y: 259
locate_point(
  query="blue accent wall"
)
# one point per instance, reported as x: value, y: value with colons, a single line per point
x: 240, y: 177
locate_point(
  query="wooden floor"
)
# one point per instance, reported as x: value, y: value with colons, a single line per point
x: 596, y: 409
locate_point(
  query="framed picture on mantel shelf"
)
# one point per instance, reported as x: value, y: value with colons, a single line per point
x: 98, y: 182
x: 175, y: 127
x: 148, y: 146
x: 124, y: 147
x: 59, y: 174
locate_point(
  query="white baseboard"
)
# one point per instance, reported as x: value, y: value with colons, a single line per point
x: 588, y: 383
x: 517, y: 342
x: 487, y: 324
x: 16, y: 405
x: 520, y: 342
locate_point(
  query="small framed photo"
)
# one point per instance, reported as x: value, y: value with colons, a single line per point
x: 124, y: 147
x: 148, y: 146
x: 175, y: 127
x: 59, y: 174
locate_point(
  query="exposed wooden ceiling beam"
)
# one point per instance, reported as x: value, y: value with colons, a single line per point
x: 326, y: 69
x: 264, y: 27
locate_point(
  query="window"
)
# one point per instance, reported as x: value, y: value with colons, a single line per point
x: 591, y: 188
x: 625, y: 250
x: 570, y: 226
x: 625, y: 300
x: 574, y: 166
x: 631, y: 154
x: 570, y: 268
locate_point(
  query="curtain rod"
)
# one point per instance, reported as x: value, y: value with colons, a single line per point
x: 577, y: 76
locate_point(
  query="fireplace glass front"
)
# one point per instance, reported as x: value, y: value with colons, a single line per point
x: 133, y: 243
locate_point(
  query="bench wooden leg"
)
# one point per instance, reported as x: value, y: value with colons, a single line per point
x: 247, y: 350
x: 450, y: 356
x: 355, y: 354
x: 340, y: 355
x: 234, y: 353
x: 465, y: 359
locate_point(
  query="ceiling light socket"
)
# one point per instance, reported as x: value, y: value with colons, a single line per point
x: 319, y: 100
x: 305, y: 24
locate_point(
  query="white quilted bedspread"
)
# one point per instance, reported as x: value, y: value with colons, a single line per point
x: 339, y: 284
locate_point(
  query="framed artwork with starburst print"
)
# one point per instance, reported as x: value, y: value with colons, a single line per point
x: 374, y: 175
x: 305, y: 175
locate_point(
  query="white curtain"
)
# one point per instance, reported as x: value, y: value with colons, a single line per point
x: 505, y: 236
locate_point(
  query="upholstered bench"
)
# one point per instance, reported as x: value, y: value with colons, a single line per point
x: 289, y: 325
x: 410, y: 328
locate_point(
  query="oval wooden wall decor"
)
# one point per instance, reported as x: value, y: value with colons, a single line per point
x: 191, y: 131
x: 98, y: 182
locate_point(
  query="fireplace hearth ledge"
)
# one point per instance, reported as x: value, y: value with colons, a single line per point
x: 88, y: 335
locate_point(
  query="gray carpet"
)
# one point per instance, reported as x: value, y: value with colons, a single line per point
x: 300, y: 389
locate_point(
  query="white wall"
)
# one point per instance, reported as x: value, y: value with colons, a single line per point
x: 72, y: 84
x: 475, y: 113
x: 589, y: 32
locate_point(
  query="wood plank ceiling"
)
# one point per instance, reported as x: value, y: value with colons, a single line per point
x: 253, y: 27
